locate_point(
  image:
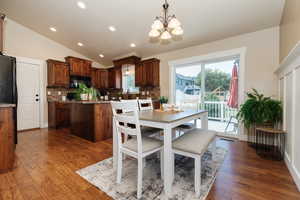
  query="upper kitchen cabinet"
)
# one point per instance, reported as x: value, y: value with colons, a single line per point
x: 99, y: 78
x: 147, y: 73
x: 2, y: 16
x: 132, y: 60
x: 115, y: 73
x: 79, y: 67
x: 115, y: 77
x: 58, y: 73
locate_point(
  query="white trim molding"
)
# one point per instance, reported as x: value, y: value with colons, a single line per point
x: 288, y: 71
x: 213, y: 57
x: 294, y: 172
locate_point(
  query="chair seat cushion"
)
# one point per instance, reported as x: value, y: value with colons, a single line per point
x: 148, y: 144
x: 195, y: 141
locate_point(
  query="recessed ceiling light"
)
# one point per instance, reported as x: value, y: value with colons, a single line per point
x: 132, y: 45
x: 101, y: 55
x: 53, y: 29
x: 112, y: 28
x: 80, y: 44
x: 81, y: 5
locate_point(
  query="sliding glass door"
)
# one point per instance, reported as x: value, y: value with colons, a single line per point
x: 207, y: 86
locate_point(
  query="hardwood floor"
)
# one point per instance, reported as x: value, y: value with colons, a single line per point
x: 47, y: 161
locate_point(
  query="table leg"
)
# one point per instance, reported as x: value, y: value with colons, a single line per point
x: 115, y: 146
x: 168, y: 172
x: 204, y: 121
x: 195, y: 123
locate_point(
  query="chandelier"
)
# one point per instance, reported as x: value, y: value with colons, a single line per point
x: 166, y: 25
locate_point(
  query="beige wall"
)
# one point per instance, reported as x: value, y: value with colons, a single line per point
x: 289, y: 27
x: 262, y: 58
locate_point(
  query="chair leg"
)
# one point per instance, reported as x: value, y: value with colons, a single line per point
x: 125, y: 140
x: 214, y: 149
x: 144, y: 162
x: 119, y: 169
x: 198, y: 175
x: 173, y: 167
x: 162, y: 164
x: 140, y: 178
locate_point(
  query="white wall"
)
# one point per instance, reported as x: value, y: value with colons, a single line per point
x: 262, y: 57
x: 20, y: 41
x: 289, y: 91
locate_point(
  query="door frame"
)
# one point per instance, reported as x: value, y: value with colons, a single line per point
x: 220, y: 55
x: 42, y: 85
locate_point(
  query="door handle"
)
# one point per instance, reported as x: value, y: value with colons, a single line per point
x: 36, y: 95
x: 36, y: 99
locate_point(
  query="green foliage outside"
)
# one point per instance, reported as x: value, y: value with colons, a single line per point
x: 214, y: 79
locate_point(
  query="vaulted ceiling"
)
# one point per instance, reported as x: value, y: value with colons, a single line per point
x: 203, y: 21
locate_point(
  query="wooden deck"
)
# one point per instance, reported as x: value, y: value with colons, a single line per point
x: 47, y: 161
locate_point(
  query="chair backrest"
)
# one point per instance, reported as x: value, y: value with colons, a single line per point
x: 130, y: 101
x: 145, y: 104
x: 126, y: 119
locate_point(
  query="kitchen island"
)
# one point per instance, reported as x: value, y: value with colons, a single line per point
x: 91, y: 120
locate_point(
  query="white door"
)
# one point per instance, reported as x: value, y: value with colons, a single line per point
x: 28, y: 84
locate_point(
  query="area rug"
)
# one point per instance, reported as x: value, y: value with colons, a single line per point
x: 103, y: 177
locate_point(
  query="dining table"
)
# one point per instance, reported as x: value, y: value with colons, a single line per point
x: 167, y: 121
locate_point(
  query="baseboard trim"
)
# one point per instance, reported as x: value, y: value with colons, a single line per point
x: 45, y: 125
x: 294, y: 172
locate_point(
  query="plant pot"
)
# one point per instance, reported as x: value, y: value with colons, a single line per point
x: 84, y: 97
x: 90, y: 97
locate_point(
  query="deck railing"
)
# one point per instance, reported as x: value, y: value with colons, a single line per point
x: 218, y: 110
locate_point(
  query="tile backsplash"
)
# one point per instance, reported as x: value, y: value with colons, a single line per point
x: 56, y: 94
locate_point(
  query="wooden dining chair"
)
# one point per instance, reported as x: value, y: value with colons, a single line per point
x: 194, y: 144
x: 138, y: 146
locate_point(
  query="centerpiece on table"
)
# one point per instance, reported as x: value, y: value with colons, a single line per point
x: 163, y: 100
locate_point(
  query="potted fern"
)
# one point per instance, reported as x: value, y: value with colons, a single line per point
x: 259, y: 110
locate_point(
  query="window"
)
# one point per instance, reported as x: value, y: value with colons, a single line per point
x: 128, y: 79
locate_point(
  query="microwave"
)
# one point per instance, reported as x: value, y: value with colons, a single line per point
x: 75, y: 80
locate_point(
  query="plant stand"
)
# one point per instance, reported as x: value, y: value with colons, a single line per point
x: 270, y: 143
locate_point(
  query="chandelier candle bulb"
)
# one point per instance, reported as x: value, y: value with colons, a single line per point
x: 166, y: 35
x: 174, y: 23
x: 177, y: 31
x: 154, y: 33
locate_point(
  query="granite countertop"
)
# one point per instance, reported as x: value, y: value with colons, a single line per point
x: 81, y: 102
x: 7, y: 105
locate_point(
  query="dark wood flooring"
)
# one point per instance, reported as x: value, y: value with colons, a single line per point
x: 47, y: 161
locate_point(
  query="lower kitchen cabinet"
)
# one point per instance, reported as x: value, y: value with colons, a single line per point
x: 58, y: 115
x: 7, y: 139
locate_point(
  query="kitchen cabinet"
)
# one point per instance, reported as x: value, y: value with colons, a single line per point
x: 131, y: 60
x: 58, y: 73
x: 7, y: 140
x: 58, y: 114
x: 147, y: 73
x: 79, y: 67
x: 2, y: 16
x: 99, y: 78
x: 92, y: 122
x: 115, y: 77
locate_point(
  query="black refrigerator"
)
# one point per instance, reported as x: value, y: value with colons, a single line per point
x: 8, y: 85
